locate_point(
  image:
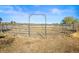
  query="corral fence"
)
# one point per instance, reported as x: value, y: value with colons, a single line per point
x: 42, y: 29
x: 70, y: 27
x: 4, y: 27
x: 31, y: 29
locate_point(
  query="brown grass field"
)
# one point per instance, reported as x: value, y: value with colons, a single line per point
x: 18, y: 41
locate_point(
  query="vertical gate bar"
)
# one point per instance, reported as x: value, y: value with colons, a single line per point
x: 45, y: 28
x: 29, y: 26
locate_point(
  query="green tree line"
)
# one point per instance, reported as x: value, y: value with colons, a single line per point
x: 6, y: 23
x: 69, y: 20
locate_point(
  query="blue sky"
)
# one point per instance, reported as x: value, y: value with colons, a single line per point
x: 54, y: 13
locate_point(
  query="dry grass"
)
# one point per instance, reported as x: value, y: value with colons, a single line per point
x: 55, y: 42
x: 76, y: 34
x: 5, y: 41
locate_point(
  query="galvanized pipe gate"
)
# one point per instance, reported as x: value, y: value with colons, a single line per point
x: 29, y: 33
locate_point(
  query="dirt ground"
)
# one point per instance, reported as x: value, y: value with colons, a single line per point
x: 54, y: 42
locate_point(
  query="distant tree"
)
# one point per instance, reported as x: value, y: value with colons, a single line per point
x: 1, y: 19
x: 13, y: 22
x: 68, y: 20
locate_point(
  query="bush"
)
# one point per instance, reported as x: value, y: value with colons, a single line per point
x: 2, y: 35
x: 6, y: 41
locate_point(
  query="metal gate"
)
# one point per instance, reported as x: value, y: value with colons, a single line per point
x: 29, y: 24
